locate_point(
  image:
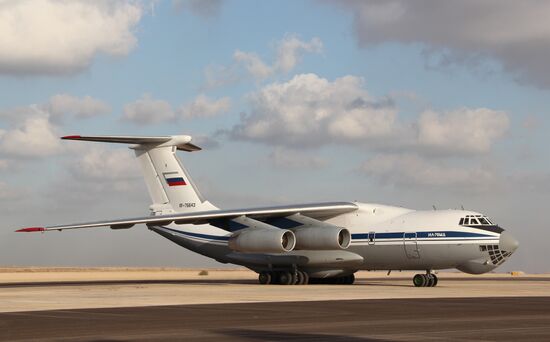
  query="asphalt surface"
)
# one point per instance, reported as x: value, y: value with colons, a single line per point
x: 457, y: 319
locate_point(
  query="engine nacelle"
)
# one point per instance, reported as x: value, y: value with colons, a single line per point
x: 322, y: 238
x: 261, y: 240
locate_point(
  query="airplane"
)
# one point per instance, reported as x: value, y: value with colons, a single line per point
x: 307, y: 243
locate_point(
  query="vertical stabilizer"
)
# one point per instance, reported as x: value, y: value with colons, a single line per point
x: 168, y: 182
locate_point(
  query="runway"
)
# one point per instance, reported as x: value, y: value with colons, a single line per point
x: 458, y: 319
x: 127, y: 305
x: 60, y: 290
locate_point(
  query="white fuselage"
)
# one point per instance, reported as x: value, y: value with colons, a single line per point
x: 383, y: 238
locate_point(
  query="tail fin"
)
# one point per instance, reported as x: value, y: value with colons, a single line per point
x: 169, y: 184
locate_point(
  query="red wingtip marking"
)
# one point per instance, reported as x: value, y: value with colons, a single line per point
x: 30, y: 229
x: 71, y: 137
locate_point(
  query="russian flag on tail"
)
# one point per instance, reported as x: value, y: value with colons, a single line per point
x: 174, y: 180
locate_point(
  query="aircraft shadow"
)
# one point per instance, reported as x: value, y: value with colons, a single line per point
x: 266, y: 335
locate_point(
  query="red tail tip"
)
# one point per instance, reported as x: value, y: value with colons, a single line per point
x: 71, y: 137
x: 30, y: 229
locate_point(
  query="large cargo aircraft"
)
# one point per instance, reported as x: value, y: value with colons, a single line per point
x: 307, y: 243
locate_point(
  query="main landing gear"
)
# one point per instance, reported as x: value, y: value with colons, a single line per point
x: 284, y: 278
x: 300, y: 278
x: 425, y: 280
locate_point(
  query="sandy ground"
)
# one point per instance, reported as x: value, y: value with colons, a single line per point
x: 65, y: 288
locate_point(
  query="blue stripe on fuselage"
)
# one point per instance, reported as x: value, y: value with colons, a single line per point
x: 364, y: 236
x: 423, y: 235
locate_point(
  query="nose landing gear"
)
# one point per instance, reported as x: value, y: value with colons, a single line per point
x: 425, y: 280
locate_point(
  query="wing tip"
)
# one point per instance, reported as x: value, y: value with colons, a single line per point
x: 71, y: 137
x: 30, y: 230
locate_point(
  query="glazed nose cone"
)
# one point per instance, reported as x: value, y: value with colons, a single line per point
x: 507, y: 242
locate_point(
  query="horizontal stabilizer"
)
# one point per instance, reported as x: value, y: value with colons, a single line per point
x: 183, y: 142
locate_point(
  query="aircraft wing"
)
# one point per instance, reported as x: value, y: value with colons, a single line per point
x: 319, y: 211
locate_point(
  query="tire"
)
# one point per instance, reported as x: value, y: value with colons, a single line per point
x: 264, y: 278
x: 419, y: 280
x: 286, y: 278
x: 351, y: 279
x: 306, y: 278
x: 430, y: 280
x: 301, y: 278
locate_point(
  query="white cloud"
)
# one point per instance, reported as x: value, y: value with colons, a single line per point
x: 203, y: 107
x: 289, y: 159
x: 63, y: 37
x: 463, y: 130
x: 148, y: 111
x: 85, y: 107
x: 205, y: 142
x: 291, y: 49
x: 412, y: 170
x: 34, y: 137
x: 253, y: 64
x: 57, y: 107
x: 310, y: 111
x: 463, y: 31
x: 289, y: 52
x: 101, y: 164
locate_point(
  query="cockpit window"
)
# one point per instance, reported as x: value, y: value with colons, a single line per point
x: 475, y: 220
x: 484, y: 221
x: 480, y: 222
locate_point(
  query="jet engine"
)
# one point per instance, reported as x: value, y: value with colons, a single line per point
x: 325, y: 237
x: 262, y: 240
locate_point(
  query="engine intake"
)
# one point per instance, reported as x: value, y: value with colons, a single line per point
x: 262, y: 240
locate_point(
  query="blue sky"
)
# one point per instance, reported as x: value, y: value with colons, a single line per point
x: 377, y: 102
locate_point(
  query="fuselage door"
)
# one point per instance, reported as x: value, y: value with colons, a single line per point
x: 372, y: 238
x: 411, y: 245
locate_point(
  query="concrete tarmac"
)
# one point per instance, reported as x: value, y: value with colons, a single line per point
x: 160, y: 304
x: 449, y: 319
x: 23, y: 291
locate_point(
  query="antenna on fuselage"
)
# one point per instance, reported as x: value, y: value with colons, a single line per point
x: 462, y: 207
x: 433, y: 206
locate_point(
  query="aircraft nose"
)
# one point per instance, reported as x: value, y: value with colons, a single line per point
x: 507, y: 242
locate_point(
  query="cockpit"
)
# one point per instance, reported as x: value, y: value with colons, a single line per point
x: 480, y: 222
x: 475, y: 220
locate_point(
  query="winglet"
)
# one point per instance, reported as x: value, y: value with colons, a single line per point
x: 71, y: 137
x: 30, y: 230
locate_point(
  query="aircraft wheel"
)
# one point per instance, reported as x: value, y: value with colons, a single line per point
x: 350, y: 279
x: 434, y: 278
x: 286, y: 278
x: 264, y: 278
x: 430, y: 280
x: 301, y: 278
x: 419, y: 280
x: 306, y: 278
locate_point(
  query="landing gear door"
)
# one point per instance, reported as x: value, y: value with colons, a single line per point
x: 411, y: 245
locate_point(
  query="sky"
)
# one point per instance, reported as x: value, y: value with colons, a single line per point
x: 408, y: 103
